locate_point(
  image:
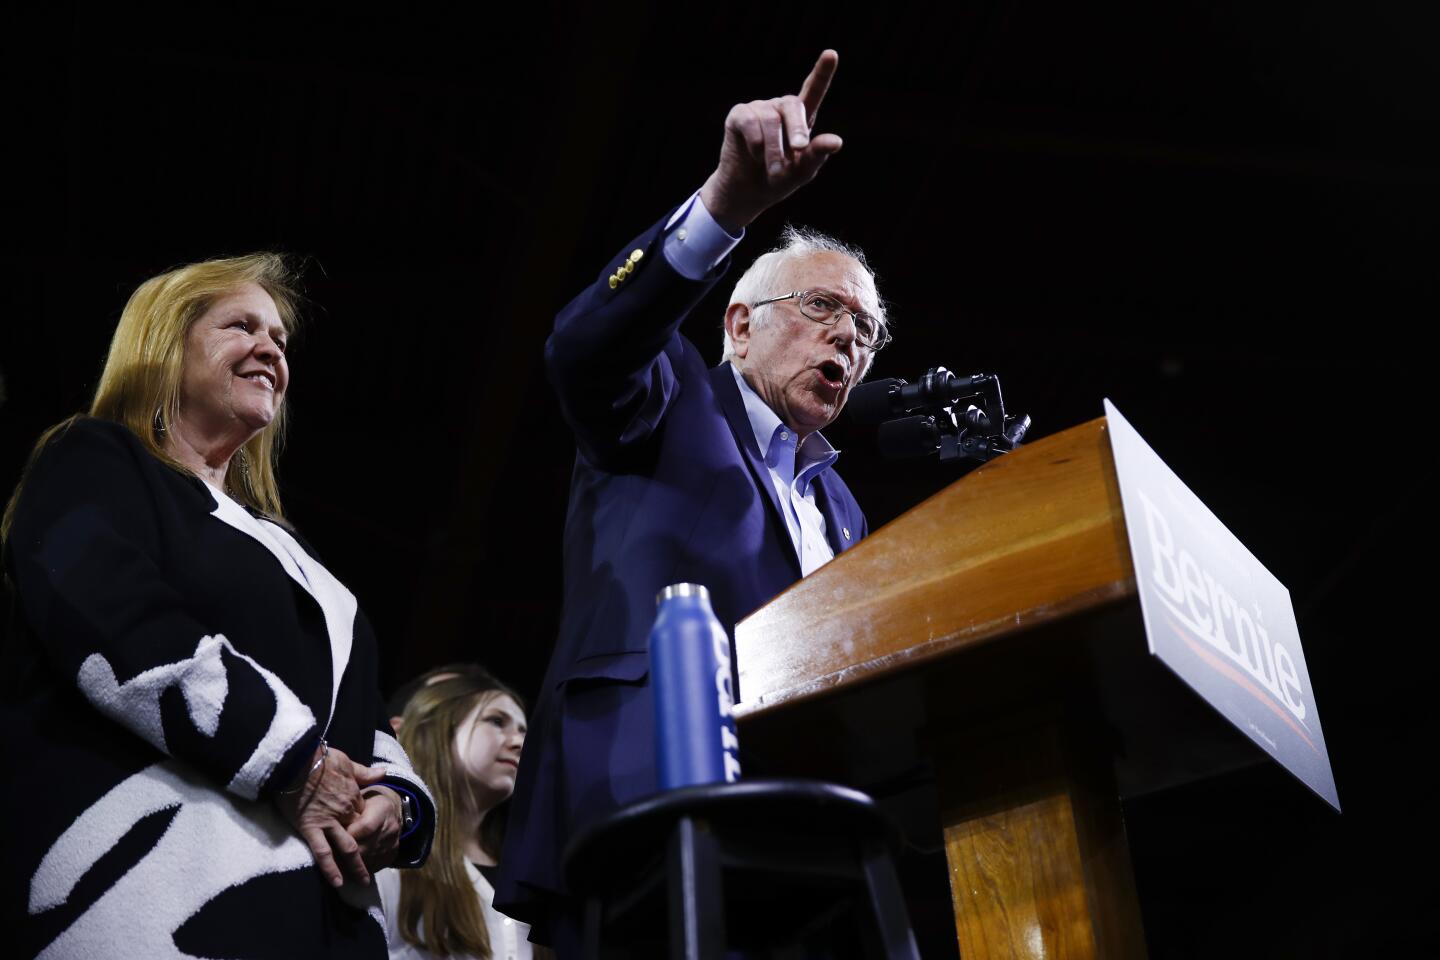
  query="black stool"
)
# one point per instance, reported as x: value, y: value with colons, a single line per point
x: 783, y: 868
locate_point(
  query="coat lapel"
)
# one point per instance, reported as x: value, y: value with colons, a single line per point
x: 841, y: 536
x: 337, y: 604
x: 722, y: 381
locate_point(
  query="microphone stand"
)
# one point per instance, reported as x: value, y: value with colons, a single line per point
x: 970, y: 434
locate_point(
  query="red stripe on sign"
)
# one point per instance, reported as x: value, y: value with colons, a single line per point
x: 1244, y: 682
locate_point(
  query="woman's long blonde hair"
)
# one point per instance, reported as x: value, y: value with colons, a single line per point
x: 140, y: 384
x: 438, y: 909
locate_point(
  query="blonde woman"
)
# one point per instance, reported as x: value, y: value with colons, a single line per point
x: 465, y: 735
x: 200, y: 761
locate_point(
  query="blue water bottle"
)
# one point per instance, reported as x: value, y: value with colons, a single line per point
x: 695, y: 737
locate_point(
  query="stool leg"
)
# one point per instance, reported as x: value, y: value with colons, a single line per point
x: 697, y: 907
x: 592, y: 926
x: 887, y: 905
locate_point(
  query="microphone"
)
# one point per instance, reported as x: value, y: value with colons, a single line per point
x: 887, y: 399
x: 918, y: 419
x: 1016, y: 428
x: 908, y: 437
x: 871, y: 403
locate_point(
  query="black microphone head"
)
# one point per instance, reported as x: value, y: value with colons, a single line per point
x: 974, y: 419
x: 871, y: 402
x: 908, y: 437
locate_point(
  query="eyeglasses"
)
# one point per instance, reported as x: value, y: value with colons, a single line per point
x: 826, y: 308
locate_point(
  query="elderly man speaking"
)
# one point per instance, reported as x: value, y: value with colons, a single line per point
x: 718, y: 476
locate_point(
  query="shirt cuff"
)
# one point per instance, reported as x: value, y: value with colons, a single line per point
x: 694, y: 243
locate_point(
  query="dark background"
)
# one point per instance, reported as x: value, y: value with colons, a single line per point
x: 1219, y: 215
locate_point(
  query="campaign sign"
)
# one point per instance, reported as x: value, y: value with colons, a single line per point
x: 1215, y: 615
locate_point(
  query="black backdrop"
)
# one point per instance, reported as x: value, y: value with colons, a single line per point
x: 1219, y: 215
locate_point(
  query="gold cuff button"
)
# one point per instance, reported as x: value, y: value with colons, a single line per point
x: 635, y: 257
x: 614, y: 281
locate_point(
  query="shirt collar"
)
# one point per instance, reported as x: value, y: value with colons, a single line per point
x: 773, y: 437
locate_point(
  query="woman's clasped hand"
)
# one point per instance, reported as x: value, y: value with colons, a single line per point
x: 350, y: 822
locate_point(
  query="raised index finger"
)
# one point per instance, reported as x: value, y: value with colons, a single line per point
x: 816, y: 85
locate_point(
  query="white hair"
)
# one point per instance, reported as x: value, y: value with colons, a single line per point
x: 760, y: 280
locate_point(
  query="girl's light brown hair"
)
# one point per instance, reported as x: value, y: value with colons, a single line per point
x: 438, y: 909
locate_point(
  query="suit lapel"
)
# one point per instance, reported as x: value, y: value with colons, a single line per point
x: 841, y: 536
x: 722, y: 381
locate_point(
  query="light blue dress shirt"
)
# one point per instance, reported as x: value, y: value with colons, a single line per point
x: 694, y: 242
x: 793, y: 472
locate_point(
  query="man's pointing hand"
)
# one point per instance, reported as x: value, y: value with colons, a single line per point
x: 769, y: 152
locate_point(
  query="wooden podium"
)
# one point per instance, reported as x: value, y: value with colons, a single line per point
x: 966, y: 634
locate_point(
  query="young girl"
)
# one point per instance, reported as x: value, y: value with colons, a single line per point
x: 464, y: 735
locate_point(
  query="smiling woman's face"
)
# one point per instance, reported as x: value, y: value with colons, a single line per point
x: 235, y: 370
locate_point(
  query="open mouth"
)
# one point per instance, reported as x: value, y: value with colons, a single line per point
x: 260, y: 378
x: 833, y: 374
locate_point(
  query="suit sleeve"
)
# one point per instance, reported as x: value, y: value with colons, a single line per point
x: 611, y: 354
x: 83, y: 555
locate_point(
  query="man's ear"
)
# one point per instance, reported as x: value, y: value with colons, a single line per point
x: 737, y: 325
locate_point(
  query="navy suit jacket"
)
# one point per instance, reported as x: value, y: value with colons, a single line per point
x: 669, y: 486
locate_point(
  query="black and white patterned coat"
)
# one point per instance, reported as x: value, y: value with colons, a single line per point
x: 167, y: 671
